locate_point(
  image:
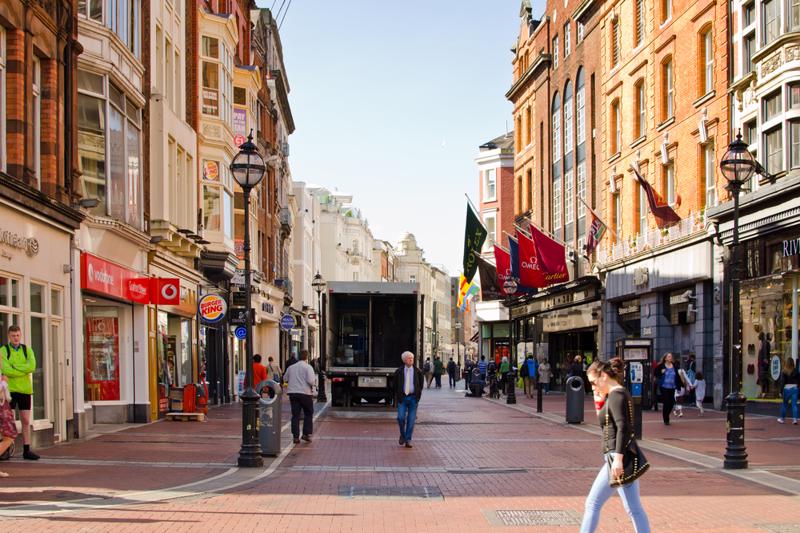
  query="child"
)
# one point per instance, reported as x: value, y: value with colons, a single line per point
x: 680, y: 392
x: 699, y: 391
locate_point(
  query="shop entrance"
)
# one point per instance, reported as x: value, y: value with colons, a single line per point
x: 563, y: 347
x: 215, y: 362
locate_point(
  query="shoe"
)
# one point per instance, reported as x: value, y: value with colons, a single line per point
x: 30, y: 455
x: 780, y: 421
x: 9, y: 453
x: 296, y: 440
x: 306, y: 438
x: 409, y: 445
x: 794, y: 421
x: 666, y: 423
x: 401, y: 441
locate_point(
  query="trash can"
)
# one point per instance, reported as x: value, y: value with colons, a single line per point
x: 575, y: 400
x: 269, y: 433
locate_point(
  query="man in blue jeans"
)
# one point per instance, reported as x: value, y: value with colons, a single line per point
x: 407, y: 392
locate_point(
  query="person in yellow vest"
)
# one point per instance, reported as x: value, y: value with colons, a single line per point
x: 19, y: 363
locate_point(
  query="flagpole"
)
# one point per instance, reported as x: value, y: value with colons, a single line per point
x: 477, y: 211
x: 592, y: 211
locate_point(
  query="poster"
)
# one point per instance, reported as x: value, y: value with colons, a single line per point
x: 102, y: 358
x: 239, y: 126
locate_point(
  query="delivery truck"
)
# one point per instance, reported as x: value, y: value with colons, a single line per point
x: 369, y: 325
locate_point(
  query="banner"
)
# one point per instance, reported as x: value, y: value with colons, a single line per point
x: 474, y: 237
x: 530, y: 275
x: 595, y: 229
x: 490, y: 290
x: 665, y: 216
x: 472, y: 292
x: 551, y: 254
x: 513, y: 252
x: 502, y: 263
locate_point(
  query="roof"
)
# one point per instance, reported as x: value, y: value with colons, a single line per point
x: 504, y: 142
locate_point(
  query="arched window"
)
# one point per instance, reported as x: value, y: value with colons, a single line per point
x: 615, y: 128
x: 569, y: 163
x: 555, y: 112
x: 667, y: 89
x: 706, y: 61
x: 580, y: 120
x: 580, y: 106
x: 569, y: 139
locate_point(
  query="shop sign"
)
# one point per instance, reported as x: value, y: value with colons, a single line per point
x: 102, y: 277
x: 238, y: 278
x: 238, y: 315
x: 29, y: 244
x: 139, y: 290
x: 212, y: 308
x: 166, y: 291
x: 240, y: 332
x: 775, y: 367
x: 791, y: 247
x: 267, y: 307
x: 629, y: 308
x: 287, y: 322
x: 238, y: 246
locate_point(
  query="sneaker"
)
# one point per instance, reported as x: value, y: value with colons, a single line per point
x: 306, y: 438
x: 794, y: 421
x: 30, y: 455
x: 780, y: 421
x: 296, y: 440
x: 401, y: 441
x: 409, y: 445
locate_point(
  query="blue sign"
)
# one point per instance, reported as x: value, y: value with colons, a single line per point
x: 241, y: 333
x: 636, y: 389
x: 287, y: 322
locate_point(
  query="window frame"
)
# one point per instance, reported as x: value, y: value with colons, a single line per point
x: 36, y: 90
x: 641, y: 110
x: 641, y: 221
x: 615, y: 137
x: 567, y: 39
x: 706, y: 62
x: 668, y: 89
x: 768, y: 26
x: 668, y: 171
x: 709, y: 175
x: 490, y: 184
x: 666, y: 11
x: 615, y: 43
x: 555, y: 52
x: 639, y: 26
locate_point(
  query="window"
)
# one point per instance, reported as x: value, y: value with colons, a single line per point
x: 123, y: 17
x: 569, y: 200
x: 557, y: 206
x: 36, y: 340
x: 707, y: 62
x: 669, y: 182
x: 518, y: 135
x: 567, y: 39
x: 667, y: 90
x: 527, y: 126
x: 666, y: 10
x: 749, y: 13
x: 555, y: 111
x: 569, y: 139
x: 773, y: 143
x: 580, y: 105
x: 580, y: 31
x: 37, y: 121
x: 491, y: 227
x: 794, y: 96
x: 641, y: 111
x: 555, y: 52
x: 529, y: 190
x: 3, y: 99
x: 615, y: 128
x: 556, y: 115
x: 750, y: 132
x: 708, y: 173
x: 770, y: 21
x: 749, y: 44
x: 617, y: 203
x: 794, y: 131
x: 794, y: 15
x: 92, y: 9
x: 489, y: 185
x: 614, y: 43
x: 581, y: 189
x: 772, y: 106
x: 217, y: 79
x: 639, y: 22
x: 642, y: 226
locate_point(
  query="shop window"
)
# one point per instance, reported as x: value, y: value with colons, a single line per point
x: 102, y: 354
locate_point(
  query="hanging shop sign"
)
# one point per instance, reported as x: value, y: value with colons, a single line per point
x: 212, y: 308
x: 166, y: 291
x: 287, y: 322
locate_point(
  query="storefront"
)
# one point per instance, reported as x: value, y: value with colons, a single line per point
x: 34, y: 295
x: 215, y: 344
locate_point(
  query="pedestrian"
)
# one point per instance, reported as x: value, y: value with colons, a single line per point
x: 8, y: 427
x: 699, y: 391
x: 407, y: 393
x: 505, y: 368
x: 438, y: 370
x: 301, y: 381
x: 292, y: 360
x: 788, y: 383
x: 451, y: 373
x: 668, y: 381
x: 624, y: 463
x: 469, y: 365
x: 530, y: 365
x: 259, y: 372
x: 525, y: 376
x: 576, y: 367
x: 545, y: 375
x: 483, y: 367
x: 274, y: 370
x: 427, y: 368
x: 19, y: 363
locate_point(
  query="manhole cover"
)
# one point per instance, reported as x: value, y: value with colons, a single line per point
x: 532, y: 517
x: 355, y: 491
x: 780, y: 528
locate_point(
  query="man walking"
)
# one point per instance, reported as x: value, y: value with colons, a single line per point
x: 302, y: 380
x: 428, y: 369
x: 451, y: 373
x: 407, y: 392
x: 438, y: 370
x: 19, y: 362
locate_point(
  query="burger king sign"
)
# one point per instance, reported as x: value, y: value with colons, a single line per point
x: 212, y: 308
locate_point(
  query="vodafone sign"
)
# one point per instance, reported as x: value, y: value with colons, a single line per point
x: 166, y: 291
x: 109, y: 279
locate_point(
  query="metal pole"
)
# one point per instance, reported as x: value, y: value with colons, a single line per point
x: 735, y: 450
x: 511, y: 394
x: 250, y: 453
x: 321, y: 395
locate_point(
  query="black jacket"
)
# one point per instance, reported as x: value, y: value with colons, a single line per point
x: 399, y: 381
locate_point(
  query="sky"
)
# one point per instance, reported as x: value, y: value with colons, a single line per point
x: 391, y: 101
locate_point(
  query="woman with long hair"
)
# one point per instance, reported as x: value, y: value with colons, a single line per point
x: 789, y: 382
x: 624, y: 462
x: 669, y: 379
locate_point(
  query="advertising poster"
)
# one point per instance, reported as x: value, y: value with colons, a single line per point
x: 102, y: 358
x: 239, y: 126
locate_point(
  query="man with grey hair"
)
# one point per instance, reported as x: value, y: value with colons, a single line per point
x: 301, y: 380
x: 407, y: 392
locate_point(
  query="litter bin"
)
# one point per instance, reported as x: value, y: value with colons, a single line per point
x: 575, y: 400
x: 269, y: 433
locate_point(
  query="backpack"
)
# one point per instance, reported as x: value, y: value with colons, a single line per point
x: 523, y: 371
x: 427, y: 367
x: 8, y: 350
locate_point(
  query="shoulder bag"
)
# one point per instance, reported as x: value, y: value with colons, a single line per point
x: 634, y: 463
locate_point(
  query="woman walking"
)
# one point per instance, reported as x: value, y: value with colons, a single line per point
x: 668, y: 381
x: 8, y: 428
x: 789, y: 382
x: 624, y: 461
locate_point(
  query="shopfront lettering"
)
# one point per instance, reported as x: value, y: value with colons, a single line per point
x: 29, y: 244
x: 791, y: 247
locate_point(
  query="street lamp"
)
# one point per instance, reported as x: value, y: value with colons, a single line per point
x: 737, y: 167
x: 248, y: 169
x: 458, y: 341
x: 510, y: 288
x: 319, y: 286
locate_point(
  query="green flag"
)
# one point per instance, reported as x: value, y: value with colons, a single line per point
x: 474, y: 237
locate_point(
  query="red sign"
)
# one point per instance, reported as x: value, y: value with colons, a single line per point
x: 102, y: 277
x: 165, y: 291
x: 139, y: 290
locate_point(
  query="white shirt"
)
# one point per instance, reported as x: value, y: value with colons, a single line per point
x: 301, y: 378
x: 408, y: 386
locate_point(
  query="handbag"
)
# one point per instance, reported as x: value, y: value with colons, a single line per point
x: 634, y: 462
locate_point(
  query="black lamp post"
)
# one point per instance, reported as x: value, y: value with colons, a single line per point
x: 319, y: 286
x: 510, y: 288
x: 248, y: 169
x: 737, y: 166
x: 458, y: 341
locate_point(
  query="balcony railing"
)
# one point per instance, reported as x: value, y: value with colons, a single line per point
x: 653, y: 239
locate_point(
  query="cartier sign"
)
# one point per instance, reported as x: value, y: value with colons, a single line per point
x: 15, y: 240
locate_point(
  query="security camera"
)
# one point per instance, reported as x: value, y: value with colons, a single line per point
x: 688, y: 295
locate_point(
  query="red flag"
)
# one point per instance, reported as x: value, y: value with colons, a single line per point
x: 664, y: 214
x: 552, y: 260
x: 503, y: 265
x: 529, y: 273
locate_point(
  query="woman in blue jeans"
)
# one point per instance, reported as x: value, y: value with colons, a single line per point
x: 615, y: 419
x: 789, y: 382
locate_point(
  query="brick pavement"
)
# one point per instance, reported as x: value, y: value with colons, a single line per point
x: 481, y: 456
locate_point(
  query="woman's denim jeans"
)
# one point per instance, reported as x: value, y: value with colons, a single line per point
x: 601, y: 492
x: 789, y: 397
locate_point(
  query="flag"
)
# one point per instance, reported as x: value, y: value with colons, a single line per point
x: 663, y: 213
x: 474, y: 237
x: 463, y: 286
x: 552, y: 260
x: 472, y: 292
x: 530, y: 275
x: 513, y: 252
x: 490, y: 290
x: 502, y: 260
x: 595, y: 230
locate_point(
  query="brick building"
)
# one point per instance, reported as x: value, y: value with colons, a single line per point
x: 664, y: 109
x: 39, y: 214
x: 496, y: 191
